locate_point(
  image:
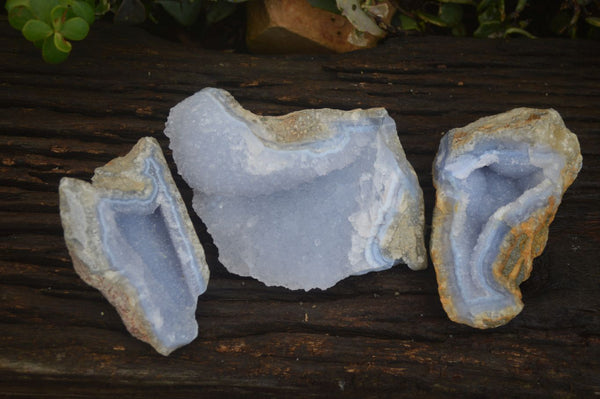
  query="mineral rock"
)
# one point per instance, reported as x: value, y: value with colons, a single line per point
x: 499, y: 182
x: 302, y: 200
x: 295, y: 26
x: 130, y: 236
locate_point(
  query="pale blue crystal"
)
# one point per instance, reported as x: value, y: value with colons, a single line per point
x: 303, y: 200
x: 499, y: 182
x: 130, y: 236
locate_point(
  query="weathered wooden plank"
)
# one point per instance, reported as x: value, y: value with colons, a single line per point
x: 379, y: 335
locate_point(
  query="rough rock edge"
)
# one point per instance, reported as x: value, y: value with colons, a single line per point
x: 121, y: 177
x: 531, y: 234
x: 296, y: 128
x: 405, y: 238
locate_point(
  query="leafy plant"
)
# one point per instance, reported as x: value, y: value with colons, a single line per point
x: 492, y: 17
x: 568, y: 20
x: 50, y: 24
x: 449, y: 15
x: 502, y: 18
x: 495, y: 22
x: 488, y: 18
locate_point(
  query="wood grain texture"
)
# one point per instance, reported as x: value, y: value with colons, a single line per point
x: 378, y: 335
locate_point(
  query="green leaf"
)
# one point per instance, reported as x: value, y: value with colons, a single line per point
x: 102, y: 7
x: 35, y: 30
x: 518, y: 31
x: 594, y: 21
x: 432, y: 19
x: 327, y: 5
x: 42, y: 9
x: 520, y: 6
x: 61, y: 44
x: 58, y: 16
x: 408, y: 23
x: 489, y: 14
x: 489, y: 29
x: 185, y: 12
x: 491, y: 10
x: 75, y: 28
x: 451, y: 13
x: 18, y: 17
x: 83, y: 10
x: 10, y: 4
x: 51, y: 53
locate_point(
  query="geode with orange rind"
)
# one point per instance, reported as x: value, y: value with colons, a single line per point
x: 498, y: 183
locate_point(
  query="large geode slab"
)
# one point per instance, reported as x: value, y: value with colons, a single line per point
x: 130, y: 236
x: 301, y: 200
x: 499, y: 182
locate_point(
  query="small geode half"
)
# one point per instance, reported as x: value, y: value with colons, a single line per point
x: 498, y: 183
x: 130, y: 236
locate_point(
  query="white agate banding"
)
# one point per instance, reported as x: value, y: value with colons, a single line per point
x: 498, y: 183
x: 130, y: 236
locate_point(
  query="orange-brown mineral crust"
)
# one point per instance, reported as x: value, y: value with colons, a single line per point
x: 499, y: 182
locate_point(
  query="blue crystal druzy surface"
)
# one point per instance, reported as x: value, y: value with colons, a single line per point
x: 145, y: 241
x: 499, y: 182
x: 301, y: 200
x: 130, y: 236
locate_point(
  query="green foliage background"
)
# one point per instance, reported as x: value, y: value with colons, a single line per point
x: 502, y: 18
x: 51, y: 25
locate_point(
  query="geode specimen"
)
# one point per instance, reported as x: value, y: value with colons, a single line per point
x: 499, y: 182
x: 130, y: 236
x: 302, y: 200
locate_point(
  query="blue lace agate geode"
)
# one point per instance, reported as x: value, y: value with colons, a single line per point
x: 301, y: 200
x: 130, y: 236
x: 498, y: 182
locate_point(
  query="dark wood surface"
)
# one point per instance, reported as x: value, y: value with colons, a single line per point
x: 378, y: 335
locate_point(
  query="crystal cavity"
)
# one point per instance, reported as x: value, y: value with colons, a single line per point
x: 499, y: 182
x: 130, y: 236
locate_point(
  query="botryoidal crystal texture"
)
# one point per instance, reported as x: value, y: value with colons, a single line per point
x: 130, y: 236
x: 498, y: 183
x: 301, y: 200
